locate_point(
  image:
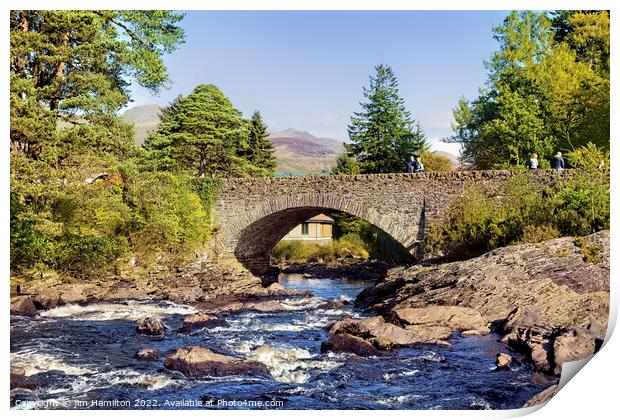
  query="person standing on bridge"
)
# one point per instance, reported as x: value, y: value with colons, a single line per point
x: 557, y: 162
x: 415, y: 164
x: 533, y: 162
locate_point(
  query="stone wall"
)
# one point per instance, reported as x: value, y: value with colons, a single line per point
x: 253, y: 214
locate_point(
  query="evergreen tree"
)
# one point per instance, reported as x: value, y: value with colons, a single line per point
x: 383, y: 135
x: 202, y: 133
x: 260, y: 149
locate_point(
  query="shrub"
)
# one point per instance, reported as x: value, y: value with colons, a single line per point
x: 86, y: 255
x: 434, y: 162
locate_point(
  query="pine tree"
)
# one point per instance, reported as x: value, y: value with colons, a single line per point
x: 260, y: 149
x: 383, y: 135
x: 202, y: 133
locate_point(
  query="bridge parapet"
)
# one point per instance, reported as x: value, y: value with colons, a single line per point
x: 253, y: 214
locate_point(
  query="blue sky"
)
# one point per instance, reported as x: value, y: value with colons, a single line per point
x: 306, y: 69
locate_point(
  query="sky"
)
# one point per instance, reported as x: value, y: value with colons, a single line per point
x: 306, y: 69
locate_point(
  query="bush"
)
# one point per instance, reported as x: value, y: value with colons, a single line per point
x: 169, y: 215
x: 434, y: 162
x: 307, y: 251
x: 475, y: 224
x: 86, y: 255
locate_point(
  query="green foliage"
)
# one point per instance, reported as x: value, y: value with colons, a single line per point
x: 203, y: 134
x: 170, y: 216
x: 261, y: 152
x: 350, y: 245
x: 434, y: 162
x: 207, y: 189
x: 82, y: 256
x: 345, y: 165
x: 548, y: 90
x: 589, y: 157
x: 383, y: 135
x: 70, y: 75
x: 476, y: 223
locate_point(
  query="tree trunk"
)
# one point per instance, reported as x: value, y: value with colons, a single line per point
x: 59, y: 73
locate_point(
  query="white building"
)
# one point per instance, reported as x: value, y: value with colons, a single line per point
x: 316, y: 229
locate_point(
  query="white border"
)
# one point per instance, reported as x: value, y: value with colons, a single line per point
x: 592, y: 394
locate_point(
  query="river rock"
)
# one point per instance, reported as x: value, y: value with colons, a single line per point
x: 46, y: 300
x: 347, y: 343
x: 452, y: 317
x: 197, y: 361
x: 150, y: 326
x: 529, y: 293
x: 23, y: 305
x: 23, y: 381
x: 200, y: 320
x: 74, y: 294
x: 542, y: 397
x: 149, y: 354
x: 577, y: 343
x: 380, y: 334
x: 503, y: 361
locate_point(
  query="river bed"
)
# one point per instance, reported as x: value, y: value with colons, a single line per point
x: 83, y: 357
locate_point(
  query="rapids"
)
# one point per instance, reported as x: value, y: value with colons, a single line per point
x: 83, y: 357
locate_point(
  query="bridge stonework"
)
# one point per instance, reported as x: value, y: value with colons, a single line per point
x: 252, y: 214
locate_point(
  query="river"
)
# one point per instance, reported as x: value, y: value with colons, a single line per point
x: 83, y: 357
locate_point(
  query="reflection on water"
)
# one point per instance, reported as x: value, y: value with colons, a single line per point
x: 80, y: 354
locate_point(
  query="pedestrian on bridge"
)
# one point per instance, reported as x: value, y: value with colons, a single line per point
x: 557, y: 162
x: 415, y: 164
x: 533, y: 162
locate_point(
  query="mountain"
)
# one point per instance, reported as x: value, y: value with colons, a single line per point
x: 301, y: 153
x: 453, y: 159
x: 297, y: 152
x: 145, y: 118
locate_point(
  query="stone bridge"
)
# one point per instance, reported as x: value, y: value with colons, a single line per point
x: 253, y: 214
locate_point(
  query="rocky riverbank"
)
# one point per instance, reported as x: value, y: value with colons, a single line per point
x: 549, y: 301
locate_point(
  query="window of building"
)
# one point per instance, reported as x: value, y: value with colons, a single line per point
x: 305, y: 228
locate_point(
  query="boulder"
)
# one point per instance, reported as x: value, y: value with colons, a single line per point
x: 382, y: 335
x: 23, y: 381
x: 46, y: 300
x: 150, y: 326
x: 542, y: 397
x: 503, y: 361
x: 23, y: 305
x: 575, y: 344
x: 147, y: 354
x: 75, y: 294
x: 347, y: 343
x: 200, y: 320
x: 197, y: 361
x: 453, y: 317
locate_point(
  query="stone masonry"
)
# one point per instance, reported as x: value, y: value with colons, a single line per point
x: 252, y: 214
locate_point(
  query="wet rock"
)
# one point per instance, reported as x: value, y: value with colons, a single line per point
x: 75, y: 294
x: 530, y: 293
x: 149, y: 354
x: 503, y: 361
x: 576, y: 343
x: 197, y: 361
x: 200, y: 320
x: 186, y: 294
x: 249, y: 305
x: 23, y: 381
x: 453, y: 317
x: 380, y: 334
x: 542, y: 397
x: 23, y: 305
x: 347, y: 343
x: 46, y: 300
x: 150, y: 326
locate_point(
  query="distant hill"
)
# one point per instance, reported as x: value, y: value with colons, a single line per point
x: 453, y: 159
x: 301, y: 153
x: 297, y: 152
x: 145, y: 118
